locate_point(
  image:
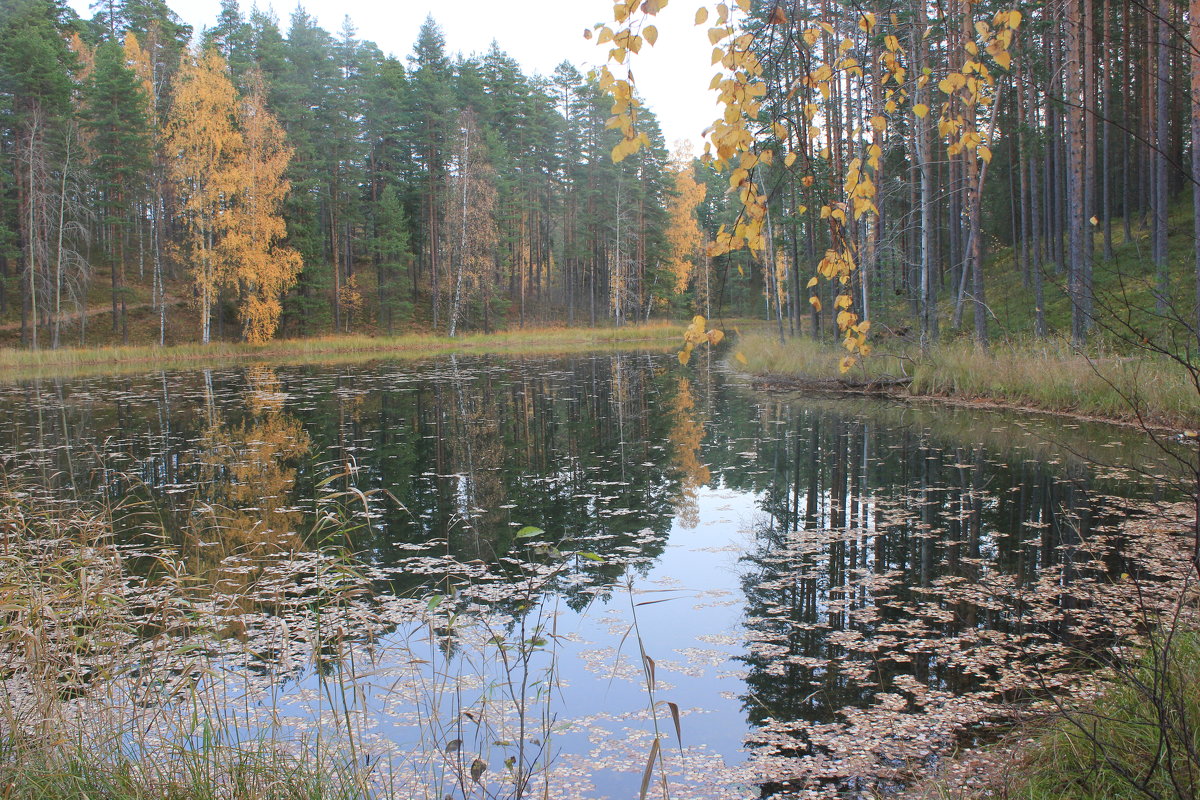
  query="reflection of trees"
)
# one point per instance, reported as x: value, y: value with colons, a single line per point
x: 245, y: 474
x: 892, y: 569
x: 476, y: 448
x: 686, y: 435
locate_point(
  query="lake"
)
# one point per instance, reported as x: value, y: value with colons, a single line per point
x: 497, y: 577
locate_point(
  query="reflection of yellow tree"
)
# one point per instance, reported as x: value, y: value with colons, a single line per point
x: 686, y: 435
x: 250, y: 470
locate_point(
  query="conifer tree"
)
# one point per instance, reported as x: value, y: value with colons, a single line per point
x: 120, y: 146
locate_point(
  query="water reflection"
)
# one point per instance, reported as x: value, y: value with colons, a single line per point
x: 868, y: 579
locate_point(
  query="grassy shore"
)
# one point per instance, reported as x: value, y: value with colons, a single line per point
x: 1045, y: 375
x: 20, y: 364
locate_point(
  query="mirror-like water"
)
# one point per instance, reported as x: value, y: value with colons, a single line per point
x: 822, y: 593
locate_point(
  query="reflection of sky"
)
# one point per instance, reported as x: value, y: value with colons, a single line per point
x: 688, y: 611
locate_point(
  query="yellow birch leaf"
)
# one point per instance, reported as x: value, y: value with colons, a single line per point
x: 789, y: 159
x: 701, y: 15
x: 920, y: 109
x: 815, y: 302
x: 741, y: 358
x: 650, y: 34
x: 811, y: 282
x: 985, y: 153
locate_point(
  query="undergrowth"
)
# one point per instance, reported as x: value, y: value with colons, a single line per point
x: 1139, y: 739
x: 1047, y: 375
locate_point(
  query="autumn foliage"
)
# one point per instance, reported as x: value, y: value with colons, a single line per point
x: 228, y: 157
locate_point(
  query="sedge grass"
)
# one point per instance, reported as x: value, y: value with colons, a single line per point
x: 1047, y: 375
x: 1140, y: 738
x: 71, y: 362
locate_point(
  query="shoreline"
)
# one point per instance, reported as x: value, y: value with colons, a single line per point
x: 17, y: 365
x: 1043, y: 378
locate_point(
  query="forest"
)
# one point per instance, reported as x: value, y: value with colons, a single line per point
x: 1006, y: 170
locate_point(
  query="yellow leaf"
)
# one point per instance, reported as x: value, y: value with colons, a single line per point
x: 811, y: 282
x: 684, y: 355
x: 847, y: 363
x: 744, y: 5
x: 1094, y: 221
x: 891, y: 43
x: 816, y: 302
x: 701, y: 15
x: 650, y: 34
x: 717, y: 34
x: 920, y: 109
x: 789, y: 159
x: 741, y: 358
x: 879, y: 123
x: 715, y: 336
x: 1003, y: 59
x: 587, y: 33
x: 985, y: 153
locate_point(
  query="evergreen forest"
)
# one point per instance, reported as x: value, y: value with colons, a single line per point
x: 982, y: 166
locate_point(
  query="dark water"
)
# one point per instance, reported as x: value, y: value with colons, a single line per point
x: 821, y: 585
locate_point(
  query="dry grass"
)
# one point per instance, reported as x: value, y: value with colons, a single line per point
x: 68, y: 362
x: 1045, y: 375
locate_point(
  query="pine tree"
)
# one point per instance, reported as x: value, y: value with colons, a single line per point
x: 35, y: 82
x: 120, y: 143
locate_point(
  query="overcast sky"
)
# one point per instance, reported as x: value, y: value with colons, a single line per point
x: 673, y: 76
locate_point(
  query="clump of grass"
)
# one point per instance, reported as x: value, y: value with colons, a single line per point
x: 73, y: 772
x: 92, y: 705
x: 1048, y: 375
x: 1140, y: 738
x: 17, y: 364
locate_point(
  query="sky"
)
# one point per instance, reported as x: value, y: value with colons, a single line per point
x: 672, y: 76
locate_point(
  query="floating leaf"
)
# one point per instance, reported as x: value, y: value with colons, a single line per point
x: 528, y: 532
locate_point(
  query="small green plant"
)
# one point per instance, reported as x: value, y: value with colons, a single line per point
x: 1139, y: 739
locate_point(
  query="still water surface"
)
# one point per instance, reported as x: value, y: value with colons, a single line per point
x: 823, y: 588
